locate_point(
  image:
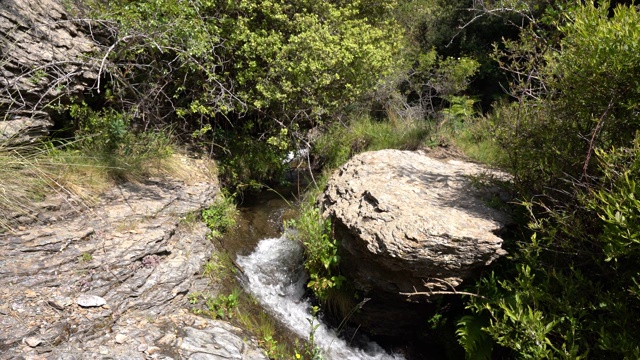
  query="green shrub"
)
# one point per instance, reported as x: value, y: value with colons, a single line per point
x: 107, y: 137
x: 219, y: 63
x: 247, y: 163
x: 321, y: 250
x: 570, y: 287
x: 584, y: 96
x: 221, y: 215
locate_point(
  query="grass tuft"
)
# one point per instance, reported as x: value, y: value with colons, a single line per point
x: 31, y: 172
x: 341, y: 141
x: 476, y: 140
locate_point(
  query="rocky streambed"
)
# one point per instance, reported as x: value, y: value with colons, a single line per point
x: 112, y: 280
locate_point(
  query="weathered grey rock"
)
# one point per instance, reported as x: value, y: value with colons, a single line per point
x: 33, y: 341
x: 143, y: 262
x: 44, y: 61
x: 407, y: 221
x: 120, y: 338
x: 85, y: 300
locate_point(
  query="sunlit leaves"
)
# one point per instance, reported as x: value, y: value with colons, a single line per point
x: 295, y: 59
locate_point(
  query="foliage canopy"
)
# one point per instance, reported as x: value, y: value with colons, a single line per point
x: 570, y: 290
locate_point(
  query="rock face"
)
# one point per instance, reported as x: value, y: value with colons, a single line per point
x: 407, y: 221
x: 112, y: 281
x: 43, y: 54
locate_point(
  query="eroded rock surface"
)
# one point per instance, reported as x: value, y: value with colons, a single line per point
x: 408, y: 223
x: 413, y: 219
x: 112, y: 281
x: 44, y: 61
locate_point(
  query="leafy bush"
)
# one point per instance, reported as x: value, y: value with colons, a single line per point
x: 570, y: 290
x: 321, y: 250
x: 249, y: 164
x: 277, y: 63
x: 220, y: 216
x: 237, y: 73
x: 581, y: 96
x: 108, y: 138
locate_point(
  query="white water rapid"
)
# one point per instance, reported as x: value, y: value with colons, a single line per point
x: 275, y: 275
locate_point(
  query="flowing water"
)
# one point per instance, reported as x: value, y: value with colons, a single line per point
x: 274, y: 274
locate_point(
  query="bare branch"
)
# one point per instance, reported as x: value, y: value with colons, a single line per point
x: 431, y: 293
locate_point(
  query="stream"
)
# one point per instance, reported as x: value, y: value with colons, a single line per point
x: 274, y: 274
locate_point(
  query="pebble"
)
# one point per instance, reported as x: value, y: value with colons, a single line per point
x: 152, y: 350
x: 33, y: 341
x: 90, y: 301
x: 121, y: 338
x: 59, y: 302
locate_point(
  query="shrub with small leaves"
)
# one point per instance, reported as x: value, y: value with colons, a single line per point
x: 221, y: 215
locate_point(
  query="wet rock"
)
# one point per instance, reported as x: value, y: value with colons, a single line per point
x: 407, y: 221
x: 90, y: 301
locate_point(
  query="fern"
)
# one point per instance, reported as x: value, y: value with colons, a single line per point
x: 476, y: 343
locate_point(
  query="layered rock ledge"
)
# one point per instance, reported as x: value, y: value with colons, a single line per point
x: 45, y: 61
x: 406, y: 221
x: 111, y: 281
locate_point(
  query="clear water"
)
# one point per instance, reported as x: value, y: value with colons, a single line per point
x: 275, y: 275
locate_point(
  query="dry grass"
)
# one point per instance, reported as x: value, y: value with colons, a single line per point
x: 20, y: 185
x: 30, y: 173
x: 188, y: 169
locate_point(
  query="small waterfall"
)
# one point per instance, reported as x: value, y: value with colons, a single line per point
x: 275, y: 275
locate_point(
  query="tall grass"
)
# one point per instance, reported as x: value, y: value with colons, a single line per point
x: 475, y: 138
x: 21, y: 183
x: 31, y: 172
x: 341, y: 141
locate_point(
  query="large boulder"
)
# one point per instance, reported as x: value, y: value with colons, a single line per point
x: 45, y: 61
x: 409, y: 222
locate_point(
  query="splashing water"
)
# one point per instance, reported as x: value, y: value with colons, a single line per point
x: 275, y: 275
